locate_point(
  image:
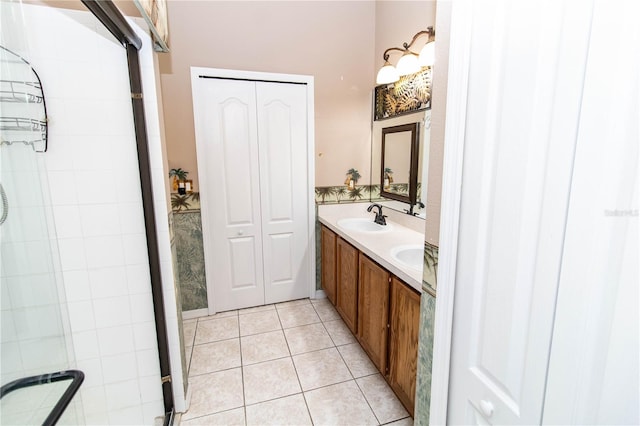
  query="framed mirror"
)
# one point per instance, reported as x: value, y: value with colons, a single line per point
x: 399, y: 166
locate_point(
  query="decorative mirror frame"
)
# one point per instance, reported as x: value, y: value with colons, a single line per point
x: 413, y: 163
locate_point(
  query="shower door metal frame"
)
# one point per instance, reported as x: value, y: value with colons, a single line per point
x: 111, y: 17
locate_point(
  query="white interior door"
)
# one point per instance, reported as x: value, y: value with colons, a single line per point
x: 522, y: 108
x: 282, y: 136
x: 227, y: 143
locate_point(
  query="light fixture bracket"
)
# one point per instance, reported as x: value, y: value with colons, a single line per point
x: 407, y: 46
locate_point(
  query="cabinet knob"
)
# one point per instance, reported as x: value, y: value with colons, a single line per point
x: 240, y: 232
x: 486, y: 407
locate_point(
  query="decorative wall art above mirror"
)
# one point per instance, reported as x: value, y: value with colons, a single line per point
x: 410, y: 94
x: 399, y: 165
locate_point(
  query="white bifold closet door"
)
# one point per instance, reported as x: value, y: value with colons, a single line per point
x: 252, y: 164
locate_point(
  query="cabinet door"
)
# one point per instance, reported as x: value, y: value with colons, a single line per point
x: 403, y: 342
x: 347, y: 285
x: 373, y: 311
x: 329, y: 263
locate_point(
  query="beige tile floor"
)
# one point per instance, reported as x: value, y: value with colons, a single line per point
x: 293, y: 363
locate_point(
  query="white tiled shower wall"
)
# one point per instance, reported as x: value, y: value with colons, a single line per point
x: 95, y: 193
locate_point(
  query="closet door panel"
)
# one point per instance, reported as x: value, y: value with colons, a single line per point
x: 243, y: 260
x: 227, y: 143
x: 282, y: 135
x: 235, y: 178
x: 281, y: 248
x: 276, y: 140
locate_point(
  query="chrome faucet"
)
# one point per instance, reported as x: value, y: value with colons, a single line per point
x: 379, y: 219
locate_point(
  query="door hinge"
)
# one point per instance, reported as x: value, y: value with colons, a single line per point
x: 136, y: 95
x: 166, y: 379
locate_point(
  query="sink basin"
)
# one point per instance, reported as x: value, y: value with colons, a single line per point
x: 361, y: 224
x: 411, y: 256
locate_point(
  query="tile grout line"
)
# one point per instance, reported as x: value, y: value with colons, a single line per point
x: 329, y: 334
x: 244, y: 398
x: 306, y: 404
x: 193, y: 343
x: 216, y: 341
x: 210, y: 414
x: 393, y: 421
x: 351, y: 373
x: 337, y: 346
x: 368, y: 403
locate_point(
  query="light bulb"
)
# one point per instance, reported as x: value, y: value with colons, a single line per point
x: 428, y: 54
x: 408, y: 64
x: 387, y: 74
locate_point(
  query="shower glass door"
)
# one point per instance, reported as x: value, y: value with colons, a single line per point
x: 33, y: 322
x: 32, y: 327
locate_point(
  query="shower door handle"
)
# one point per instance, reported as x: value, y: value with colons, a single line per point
x: 5, y: 205
x: 76, y: 377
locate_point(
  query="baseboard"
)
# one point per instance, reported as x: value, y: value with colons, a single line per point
x: 196, y: 313
x: 320, y: 294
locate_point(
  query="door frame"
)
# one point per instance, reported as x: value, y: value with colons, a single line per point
x: 455, y: 129
x: 257, y: 76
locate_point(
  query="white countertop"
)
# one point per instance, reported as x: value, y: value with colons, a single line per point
x: 377, y: 246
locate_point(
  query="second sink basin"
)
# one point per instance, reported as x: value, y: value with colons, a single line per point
x: 411, y: 255
x: 363, y: 225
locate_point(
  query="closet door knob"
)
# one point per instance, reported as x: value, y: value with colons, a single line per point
x: 240, y: 233
x: 486, y: 407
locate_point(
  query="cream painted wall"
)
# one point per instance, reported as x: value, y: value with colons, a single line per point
x: 333, y: 41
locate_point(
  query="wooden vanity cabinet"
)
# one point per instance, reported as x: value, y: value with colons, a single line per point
x: 347, y: 283
x: 381, y: 311
x: 373, y: 311
x: 328, y: 243
x: 403, y: 342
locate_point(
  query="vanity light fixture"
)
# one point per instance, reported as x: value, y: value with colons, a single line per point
x: 410, y: 62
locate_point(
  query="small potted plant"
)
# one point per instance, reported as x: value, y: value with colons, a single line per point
x: 352, y: 178
x: 179, y: 177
